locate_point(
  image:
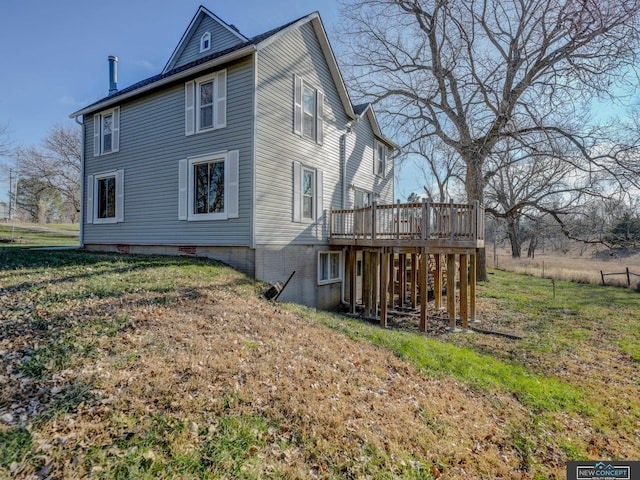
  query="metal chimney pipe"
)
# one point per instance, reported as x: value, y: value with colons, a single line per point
x: 113, y: 74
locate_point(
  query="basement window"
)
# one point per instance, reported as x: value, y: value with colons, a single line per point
x: 329, y: 270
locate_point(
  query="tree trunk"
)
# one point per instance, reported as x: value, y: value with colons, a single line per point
x: 533, y: 244
x: 513, y: 229
x: 474, y: 185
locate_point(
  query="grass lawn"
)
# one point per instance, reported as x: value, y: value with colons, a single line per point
x: 32, y: 236
x: 149, y: 367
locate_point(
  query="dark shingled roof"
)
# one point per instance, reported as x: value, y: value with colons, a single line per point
x: 148, y: 81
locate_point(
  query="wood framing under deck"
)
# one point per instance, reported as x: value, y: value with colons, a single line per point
x: 406, y: 245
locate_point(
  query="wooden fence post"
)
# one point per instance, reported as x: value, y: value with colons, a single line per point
x: 602, y: 275
x: 628, y: 278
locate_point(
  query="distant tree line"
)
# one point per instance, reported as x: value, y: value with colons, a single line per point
x: 45, y: 179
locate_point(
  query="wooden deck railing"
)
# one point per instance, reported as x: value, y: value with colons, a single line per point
x: 410, y: 221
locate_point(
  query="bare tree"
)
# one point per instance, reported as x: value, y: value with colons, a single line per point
x: 5, y: 141
x: 440, y: 168
x: 57, y: 165
x: 526, y: 185
x: 36, y: 200
x: 474, y: 74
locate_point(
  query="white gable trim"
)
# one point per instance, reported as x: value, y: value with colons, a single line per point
x: 377, y: 132
x: 187, y: 35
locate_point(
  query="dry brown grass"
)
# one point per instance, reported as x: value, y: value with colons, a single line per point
x: 334, y: 398
x: 158, y: 359
x: 571, y: 267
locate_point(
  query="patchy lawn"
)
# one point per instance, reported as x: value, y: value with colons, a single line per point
x: 148, y: 367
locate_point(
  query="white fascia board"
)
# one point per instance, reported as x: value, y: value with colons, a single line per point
x: 187, y: 34
x: 377, y: 131
x: 243, y: 52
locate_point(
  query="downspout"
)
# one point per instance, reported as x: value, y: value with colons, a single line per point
x: 343, y: 162
x: 82, y: 185
x: 343, y: 159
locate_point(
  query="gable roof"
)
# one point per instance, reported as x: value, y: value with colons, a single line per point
x: 367, y: 109
x: 247, y: 47
x: 202, y: 12
x: 204, y: 63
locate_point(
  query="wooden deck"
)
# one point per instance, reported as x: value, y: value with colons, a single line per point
x: 395, y: 239
x: 443, y: 227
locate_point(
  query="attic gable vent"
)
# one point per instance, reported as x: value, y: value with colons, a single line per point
x: 205, y: 42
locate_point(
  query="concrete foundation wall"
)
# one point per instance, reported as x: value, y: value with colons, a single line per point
x: 275, y: 264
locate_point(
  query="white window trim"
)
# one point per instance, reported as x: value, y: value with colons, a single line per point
x: 200, y: 81
x: 206, y: 36
x: 314, y: 196
x: 330, y: 253
x: 298, y: 194
x: 92, y: 197
x: 98, y: 143
x: 231, y: 184
x: 364, y: 192
x: 192, y: 103
x: 376, y: 158
x: 298, y: 116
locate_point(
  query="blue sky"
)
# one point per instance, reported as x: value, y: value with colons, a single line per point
x: 54, y: 52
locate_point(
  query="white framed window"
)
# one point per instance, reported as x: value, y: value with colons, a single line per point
x: 308, y: 121
x: 329, y: 267
x: 206, y: 103
x: 308, y: 112
x: 361, y: 199
x: 380, y: 159
x: 208, y: 186
x: 307, y: 194
x: 106, y: 132
x: 105, y: 197
x: 205, y: 42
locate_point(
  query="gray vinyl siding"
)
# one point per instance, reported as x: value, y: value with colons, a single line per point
x: 152, y: 142
x: 221, y: 39
x: 277, y: 147
x: 359, y: 153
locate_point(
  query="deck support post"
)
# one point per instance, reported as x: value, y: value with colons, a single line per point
x: 384, y: 287
x: 402, y: 279
x: 352, y: 280
x: 472, y: 292
x: 464, y: 292
x: 424, y: 289
x: 451, y: 290
x: 437, y: 281
x: 390, y: 273
x: 414, y: 280
x: 366, y: 283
